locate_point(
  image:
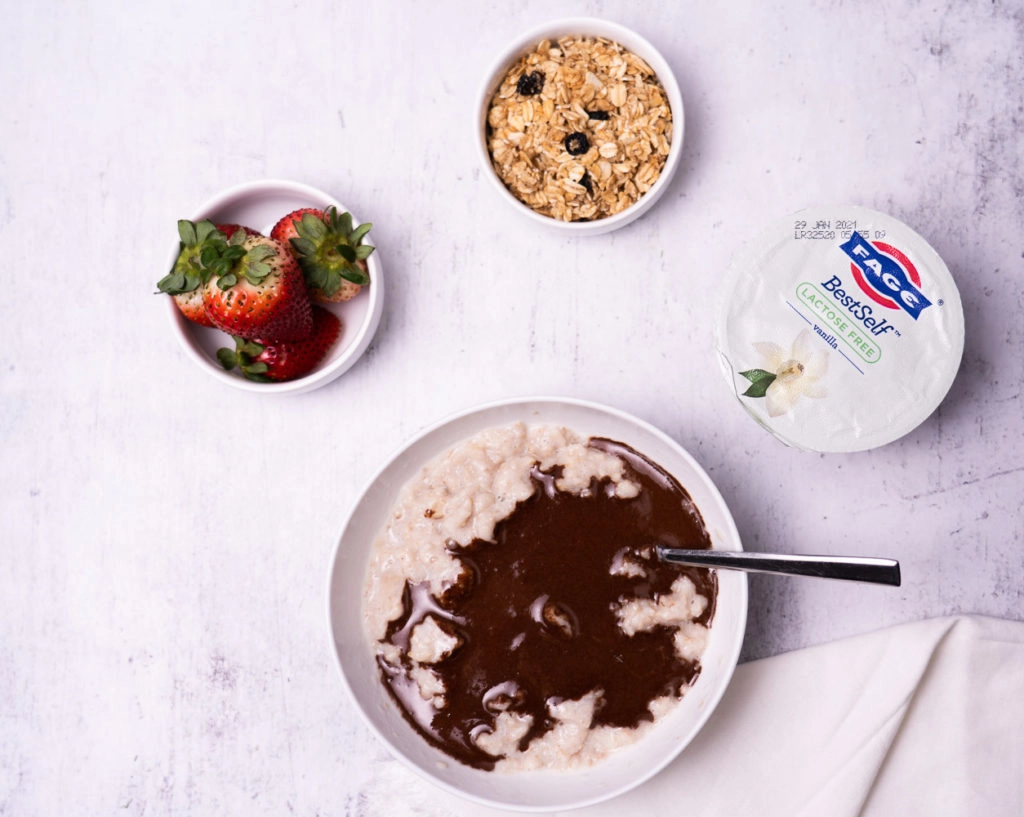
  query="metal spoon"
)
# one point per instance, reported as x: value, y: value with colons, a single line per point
x: 853, y: 568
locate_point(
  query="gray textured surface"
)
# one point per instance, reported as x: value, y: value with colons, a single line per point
x: 163, y: 644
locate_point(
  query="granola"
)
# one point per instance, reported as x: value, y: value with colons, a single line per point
x: 579, y: 129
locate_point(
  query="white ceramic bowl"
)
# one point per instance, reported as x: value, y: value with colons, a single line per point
x: 532, y: 791
x: 596, y: 28
x: 259, y: 205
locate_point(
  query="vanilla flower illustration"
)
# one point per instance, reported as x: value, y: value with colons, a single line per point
x: 788, y: 376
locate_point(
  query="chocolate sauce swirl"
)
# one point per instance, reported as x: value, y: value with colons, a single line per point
x: 533, y: 615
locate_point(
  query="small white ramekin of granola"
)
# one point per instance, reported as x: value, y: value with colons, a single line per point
x: 580, y: 125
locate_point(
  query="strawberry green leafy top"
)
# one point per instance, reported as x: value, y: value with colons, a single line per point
x: 199, y: 243
x: 331, y: 249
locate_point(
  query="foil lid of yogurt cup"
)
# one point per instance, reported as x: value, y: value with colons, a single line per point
x: 841, y: 329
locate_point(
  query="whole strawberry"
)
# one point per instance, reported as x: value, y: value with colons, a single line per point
x: 285, y: 231
x: 230, y: 229
x: 256, y: 290
x: 189, y: 275
x: 284, y: 360
x: 330, y: 251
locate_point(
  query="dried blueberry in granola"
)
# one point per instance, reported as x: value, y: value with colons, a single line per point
x: 530, y: 84
x: 577, y: 143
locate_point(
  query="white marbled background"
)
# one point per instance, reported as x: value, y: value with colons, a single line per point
x: 166, y: 539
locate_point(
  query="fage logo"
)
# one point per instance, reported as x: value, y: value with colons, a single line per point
x: 886, y: 275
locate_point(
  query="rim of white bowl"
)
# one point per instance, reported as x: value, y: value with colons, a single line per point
x: 729, y: 661
x: 188, y: 333
x: 633, y: 41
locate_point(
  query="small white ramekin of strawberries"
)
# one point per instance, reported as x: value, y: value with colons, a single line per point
x: 274, y: 287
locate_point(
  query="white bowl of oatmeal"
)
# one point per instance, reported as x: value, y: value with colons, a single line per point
x: 580, y: 125
x: 440, y: 566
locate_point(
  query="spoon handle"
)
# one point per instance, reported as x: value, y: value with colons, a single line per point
x: 853, y: 568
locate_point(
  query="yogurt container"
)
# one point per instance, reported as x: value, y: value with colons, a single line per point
x: 841, y: 329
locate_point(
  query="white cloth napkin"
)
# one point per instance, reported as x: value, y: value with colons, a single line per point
x: 918, y: 719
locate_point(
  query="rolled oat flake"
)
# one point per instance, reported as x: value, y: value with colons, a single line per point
x: 841, y: 329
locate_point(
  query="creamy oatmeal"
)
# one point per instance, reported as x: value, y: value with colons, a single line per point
x: 518, y: 612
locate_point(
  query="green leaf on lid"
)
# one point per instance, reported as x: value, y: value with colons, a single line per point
x: 760, y: 380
